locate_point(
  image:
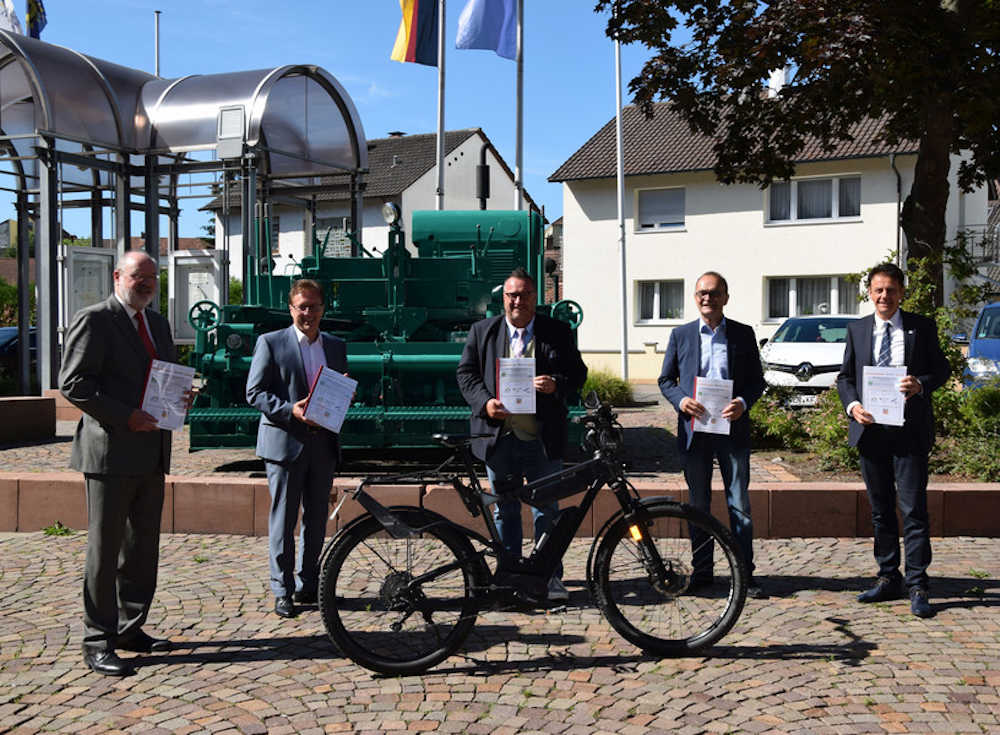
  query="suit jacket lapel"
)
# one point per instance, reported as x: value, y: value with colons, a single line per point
x: 131, y: 332
x: 296, y: 356
x: 867, y: 339
x: 909, y: 339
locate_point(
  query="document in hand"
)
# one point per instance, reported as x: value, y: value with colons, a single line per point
x: 163, y: 396
x: 714, y: 394
x: 516, y: 384
x: 330, y: 398
x: 880, y: 394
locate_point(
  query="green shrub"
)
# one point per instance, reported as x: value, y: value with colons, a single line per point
x: 609, y: 387
x: 826, y: 425
x: 774, y: 425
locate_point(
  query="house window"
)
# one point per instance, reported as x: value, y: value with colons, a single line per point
x: 809, y: 295
x: 660, y: 209
x: 660, y: 300
x: 814, y: 199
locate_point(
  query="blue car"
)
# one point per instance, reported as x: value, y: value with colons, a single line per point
x: 984, y: 347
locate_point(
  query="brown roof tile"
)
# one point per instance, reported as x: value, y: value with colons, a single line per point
x: 665, y: 144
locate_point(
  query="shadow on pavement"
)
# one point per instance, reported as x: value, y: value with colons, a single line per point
x: 944, y: 591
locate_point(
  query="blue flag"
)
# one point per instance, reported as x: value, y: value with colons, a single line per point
x: 36, y: 18
x: 490, y: 25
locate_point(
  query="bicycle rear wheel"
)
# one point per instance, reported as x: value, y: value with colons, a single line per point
x: 655, y: 603
x: 400, y: 606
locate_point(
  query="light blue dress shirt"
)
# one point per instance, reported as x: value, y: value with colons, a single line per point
x: 714, y: 351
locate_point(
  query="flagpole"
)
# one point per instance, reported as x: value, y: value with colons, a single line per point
x: 519, y: 145
x: 440, y: 126
x: 620, y: 174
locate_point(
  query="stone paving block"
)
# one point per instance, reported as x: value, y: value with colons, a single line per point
x: 47, y: 497
x: 8, y: 502
x: 214, y: 505
x: 972, y: 511
x: 65, y: 411
x: 27, y: 418
x: 444, y: 499
x: 806, y: 512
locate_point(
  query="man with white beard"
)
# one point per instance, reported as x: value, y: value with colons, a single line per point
x: 123, y: 456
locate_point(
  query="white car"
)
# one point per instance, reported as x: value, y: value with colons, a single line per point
x: 805, y: 355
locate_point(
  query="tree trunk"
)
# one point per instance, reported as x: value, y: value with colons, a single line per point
x: 923, y: 216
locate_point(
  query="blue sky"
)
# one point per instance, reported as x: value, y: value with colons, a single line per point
x: 568, y: 78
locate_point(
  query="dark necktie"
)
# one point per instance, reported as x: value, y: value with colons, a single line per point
x: 885, y: 350
x: 144, y: 336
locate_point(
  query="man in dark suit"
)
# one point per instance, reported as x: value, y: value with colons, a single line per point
x: 300, y: 456
x: 123, y: 455
x: 894, y: 459
x: 715, y: 347
x: 521, y: 446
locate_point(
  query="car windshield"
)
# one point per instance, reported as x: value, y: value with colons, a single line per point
x: 832, y: 329
x: 989, y: 325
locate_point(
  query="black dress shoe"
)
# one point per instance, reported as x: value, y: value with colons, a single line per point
x: 884, y: 589
x: 107, y: 663
x: 305, y: 597
x: 919, y: 605
x: 754, y: 590
x: 284, y: 607
x: 142, y: 642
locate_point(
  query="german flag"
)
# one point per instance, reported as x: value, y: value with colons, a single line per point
x: 417, y: 40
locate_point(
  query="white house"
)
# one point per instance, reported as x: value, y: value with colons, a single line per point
x: 785, y: 251
x: 402, y: 170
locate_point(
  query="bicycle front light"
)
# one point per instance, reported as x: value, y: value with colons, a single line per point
x: 635, y: 532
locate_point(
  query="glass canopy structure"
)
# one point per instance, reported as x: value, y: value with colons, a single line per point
x: 81, y: 132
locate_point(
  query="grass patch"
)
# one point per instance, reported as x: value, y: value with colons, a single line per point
x: 57, y: 529
x: 609, y: 387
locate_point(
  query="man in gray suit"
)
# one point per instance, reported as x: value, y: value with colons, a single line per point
x: 300, y: 456
x: 123, y: 456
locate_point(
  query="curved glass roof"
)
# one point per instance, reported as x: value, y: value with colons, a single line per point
x: 300, y: 117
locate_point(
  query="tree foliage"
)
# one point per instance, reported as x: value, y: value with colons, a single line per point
x: 928, y: 70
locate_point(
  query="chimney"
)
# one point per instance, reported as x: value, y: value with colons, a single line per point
x: 396, y: 133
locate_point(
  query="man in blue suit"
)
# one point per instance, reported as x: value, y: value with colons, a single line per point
x: 300, y: 456
x: 715, y: 347
x: 894, y: 458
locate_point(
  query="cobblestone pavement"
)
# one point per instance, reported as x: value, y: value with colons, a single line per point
x: 808, y: 659
x: 650, y: 447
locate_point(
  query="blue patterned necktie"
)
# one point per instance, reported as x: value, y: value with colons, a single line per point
x: 885, y: 350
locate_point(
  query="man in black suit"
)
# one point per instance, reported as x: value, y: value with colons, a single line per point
x: 714, y: 346
x: 894, y: 459
x: 521, y: 446
x: 123, y: 456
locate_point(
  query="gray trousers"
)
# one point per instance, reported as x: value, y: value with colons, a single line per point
x: 306, y: 482
x: 123, y: 551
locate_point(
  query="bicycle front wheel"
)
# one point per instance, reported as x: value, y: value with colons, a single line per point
x: 400, y: 606
x: 653, y: 600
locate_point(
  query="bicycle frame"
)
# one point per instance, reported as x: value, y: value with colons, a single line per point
x: 589, y: 477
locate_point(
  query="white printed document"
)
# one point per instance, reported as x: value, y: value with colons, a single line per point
x: 330, y: 398
x: 714, y: 394
x: 163, y: 396
x: 516, y: 384
x: 880, y: 394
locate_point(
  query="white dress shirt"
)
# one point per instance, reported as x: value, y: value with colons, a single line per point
x: 313, y: 358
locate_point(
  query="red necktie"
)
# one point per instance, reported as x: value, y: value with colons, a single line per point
x: 144, y: 336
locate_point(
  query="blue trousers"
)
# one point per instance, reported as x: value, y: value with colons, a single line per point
x: 306, y: 482
x: 511, y: 463
x: 734, y: 463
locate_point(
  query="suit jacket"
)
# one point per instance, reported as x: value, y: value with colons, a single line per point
x: 277, y: 379
x: 682, y: 363
x: 103, y: 374
x: 923, y: 358
x: 555, y: 355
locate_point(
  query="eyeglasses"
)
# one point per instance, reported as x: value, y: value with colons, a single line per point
x: 713, y: 294
x: 306, y: 308
x: 519, y: 295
